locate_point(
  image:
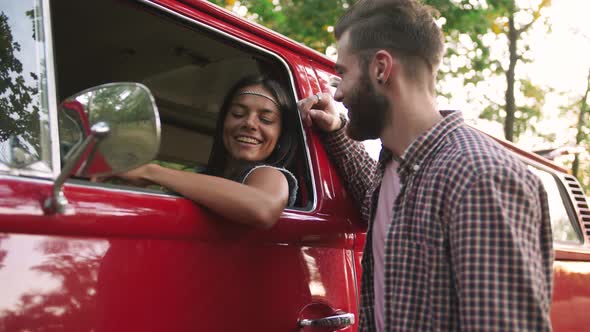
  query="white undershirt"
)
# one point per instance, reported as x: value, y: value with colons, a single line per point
x: 390, y: 188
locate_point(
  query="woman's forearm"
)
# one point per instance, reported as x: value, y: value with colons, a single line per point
x: 259, y: 204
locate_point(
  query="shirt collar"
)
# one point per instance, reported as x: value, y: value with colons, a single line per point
x: 417, y: 153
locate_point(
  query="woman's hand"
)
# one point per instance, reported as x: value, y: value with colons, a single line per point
x: 137, y: 176
x: 319, y: 110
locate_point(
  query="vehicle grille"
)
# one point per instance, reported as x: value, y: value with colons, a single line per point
x: 580, y: 203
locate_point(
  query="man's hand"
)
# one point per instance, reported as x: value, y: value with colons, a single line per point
x: 320, y: 111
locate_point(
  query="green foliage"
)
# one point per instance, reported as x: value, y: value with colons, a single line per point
x: 581, y: 163
x: 307, y: 21
x: 578, y: 108
x: 532, y: 100
x: 468, y: 25
x: 479, y: 22
x: 462, y: 21
x: 19, y: 113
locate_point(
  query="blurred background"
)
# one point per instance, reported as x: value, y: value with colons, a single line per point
x: 517, y: 69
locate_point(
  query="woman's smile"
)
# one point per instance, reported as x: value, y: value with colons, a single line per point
x: 248, y: 140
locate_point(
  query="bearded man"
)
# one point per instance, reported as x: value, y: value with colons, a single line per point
x: 459, y: 235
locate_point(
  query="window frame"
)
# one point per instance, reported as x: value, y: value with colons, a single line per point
x: 312, y: 202
x: 51, y: 90
x: 308, y: 174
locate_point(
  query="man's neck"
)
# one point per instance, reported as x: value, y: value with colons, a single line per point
x: 408, y: 121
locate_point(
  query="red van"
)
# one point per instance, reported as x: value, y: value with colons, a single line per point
x: 127, y: 81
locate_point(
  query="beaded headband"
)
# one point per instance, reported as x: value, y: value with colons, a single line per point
x: 256, y: 93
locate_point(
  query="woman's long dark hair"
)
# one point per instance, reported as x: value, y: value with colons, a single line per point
x: 286, y: 145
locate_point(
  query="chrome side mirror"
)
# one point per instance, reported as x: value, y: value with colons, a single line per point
x: 105, y: 130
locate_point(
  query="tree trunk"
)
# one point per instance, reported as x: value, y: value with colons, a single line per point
x: 510, y: 103
x: 580, y: 127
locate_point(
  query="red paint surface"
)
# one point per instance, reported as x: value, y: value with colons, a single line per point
x: 124, y: 261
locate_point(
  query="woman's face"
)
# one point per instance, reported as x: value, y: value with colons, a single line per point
x: 252, y: 125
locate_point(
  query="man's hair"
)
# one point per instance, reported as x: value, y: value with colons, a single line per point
x: 406, y: 28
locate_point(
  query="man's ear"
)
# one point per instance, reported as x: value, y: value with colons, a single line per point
x: 383, y: 66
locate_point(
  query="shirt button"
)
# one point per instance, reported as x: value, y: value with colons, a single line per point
x: 416, y: 168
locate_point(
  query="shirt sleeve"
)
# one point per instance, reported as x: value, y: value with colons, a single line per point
x: 291, y: 181
x: 501, y: 251
x: 353, y: 162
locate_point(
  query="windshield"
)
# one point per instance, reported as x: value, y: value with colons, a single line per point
x: 24, y: 130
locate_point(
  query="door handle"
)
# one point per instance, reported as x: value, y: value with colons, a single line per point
x: 337, y: 321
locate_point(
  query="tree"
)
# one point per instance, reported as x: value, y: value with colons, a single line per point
x: 19, y: 112
x: 470, y: 26
x: 307, y: 21
x: 582, y: 137
x: 472, y: 29
x: 19, y: 103
x: 582, y: 134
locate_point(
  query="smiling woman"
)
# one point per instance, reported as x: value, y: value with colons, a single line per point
x: 252, y: 126
x: 246, y: 178
x: 256, y: 124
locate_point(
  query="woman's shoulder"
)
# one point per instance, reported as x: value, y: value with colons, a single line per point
x: 291, y: 179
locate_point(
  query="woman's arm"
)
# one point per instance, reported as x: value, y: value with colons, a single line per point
x: 258, y: 202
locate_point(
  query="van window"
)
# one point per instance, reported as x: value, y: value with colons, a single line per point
x: 562, y: 220
x: 24, y: 126
x: 187, y: 67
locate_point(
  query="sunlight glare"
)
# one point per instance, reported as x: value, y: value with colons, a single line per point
x: 562, y: 59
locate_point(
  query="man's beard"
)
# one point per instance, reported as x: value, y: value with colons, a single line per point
x: 367, y: 111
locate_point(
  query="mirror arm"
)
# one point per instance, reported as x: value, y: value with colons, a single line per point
x: 57, y: 202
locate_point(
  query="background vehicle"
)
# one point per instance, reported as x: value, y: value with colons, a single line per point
x: 120, y: 258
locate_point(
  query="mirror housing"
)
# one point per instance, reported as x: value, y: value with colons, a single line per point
x: 105, y: 130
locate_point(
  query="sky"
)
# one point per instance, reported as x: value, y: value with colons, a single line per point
x: 563, y: 59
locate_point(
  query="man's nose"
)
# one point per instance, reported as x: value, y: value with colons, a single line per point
x: 336, y: 82
x: 338, y: 94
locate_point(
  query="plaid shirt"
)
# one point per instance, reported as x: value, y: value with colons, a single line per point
x: 470, y: 245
